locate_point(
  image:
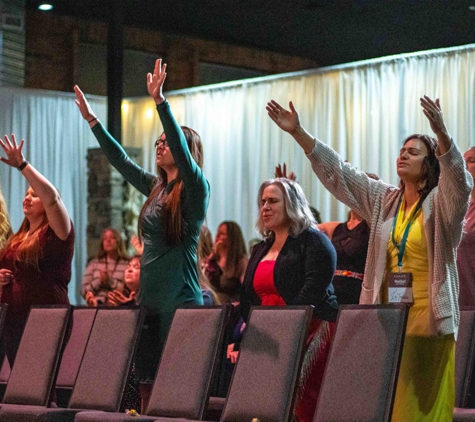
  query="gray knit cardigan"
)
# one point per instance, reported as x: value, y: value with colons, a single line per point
x: 443, y: 213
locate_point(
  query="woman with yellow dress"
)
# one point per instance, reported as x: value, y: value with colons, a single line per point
x: 415, y: 230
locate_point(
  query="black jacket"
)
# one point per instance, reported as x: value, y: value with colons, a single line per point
x: 303, y: 274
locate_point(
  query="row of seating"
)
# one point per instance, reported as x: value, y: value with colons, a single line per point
x: 359, y: 382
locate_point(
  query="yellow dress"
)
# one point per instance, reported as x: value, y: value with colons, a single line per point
x: 426, y: 384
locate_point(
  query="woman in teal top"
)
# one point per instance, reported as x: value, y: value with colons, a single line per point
x: 170, y: 219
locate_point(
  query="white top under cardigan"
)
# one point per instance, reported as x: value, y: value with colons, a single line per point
x: 443, y: 212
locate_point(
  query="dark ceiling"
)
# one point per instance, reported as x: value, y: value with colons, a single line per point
x: 326, y: 31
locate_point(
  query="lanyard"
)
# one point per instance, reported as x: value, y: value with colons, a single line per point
x: 401, y: 247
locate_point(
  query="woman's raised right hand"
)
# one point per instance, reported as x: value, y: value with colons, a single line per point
x: 287, y: 120
x: 84, y: 106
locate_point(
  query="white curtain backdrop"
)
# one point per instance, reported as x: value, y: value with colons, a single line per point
x: 56, y: 143
x: 363, y: 110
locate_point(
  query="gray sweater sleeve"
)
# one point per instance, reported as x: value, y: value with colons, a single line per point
x: 349, y: 185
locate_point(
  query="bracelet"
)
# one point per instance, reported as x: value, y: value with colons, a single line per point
x: 90, y: 121
x: 23, y: 165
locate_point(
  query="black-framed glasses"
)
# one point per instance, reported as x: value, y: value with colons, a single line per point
x: 161, y: 143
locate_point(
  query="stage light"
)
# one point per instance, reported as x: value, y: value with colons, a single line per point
x: 45, y: 6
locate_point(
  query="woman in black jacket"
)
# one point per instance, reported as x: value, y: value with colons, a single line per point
x: 294, y: 265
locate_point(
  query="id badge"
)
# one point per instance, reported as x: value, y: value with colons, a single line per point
x: 400, y: 288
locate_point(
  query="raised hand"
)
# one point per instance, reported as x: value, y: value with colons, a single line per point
x: 155, y: 82
x: 282, y: 172
x: 84, y: 106
x: 13, y: 151
x: 287, y: 120
x: 433, y: 112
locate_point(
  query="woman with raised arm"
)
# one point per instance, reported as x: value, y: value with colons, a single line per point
x: 415, y: 230
x: 170, y: 220
x: 35, y: 263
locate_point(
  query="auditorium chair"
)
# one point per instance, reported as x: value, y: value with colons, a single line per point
x: 33, y: 374
x: 103, y: 373
x: 360, y: 376
x: 187, y: 367
x: 82, y: 320
x: 464, y: 365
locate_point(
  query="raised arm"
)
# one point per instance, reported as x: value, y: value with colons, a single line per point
x: 134, y: 174
x: 58, y: 218
x: 350, y: 186
x: 190, y: 172
x: 455, y: 183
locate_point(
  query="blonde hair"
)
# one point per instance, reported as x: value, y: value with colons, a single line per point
x: 5, y: 227
x: 121, y: 249
x: 295, y: 205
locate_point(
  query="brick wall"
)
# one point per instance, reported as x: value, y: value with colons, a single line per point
x: 52, y: 52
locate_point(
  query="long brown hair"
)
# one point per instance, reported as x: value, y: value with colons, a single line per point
x: 236, y: 250
x: 121, y: 249
x: 430, y: 170
x: 172, y: 213
x: 27, y: 244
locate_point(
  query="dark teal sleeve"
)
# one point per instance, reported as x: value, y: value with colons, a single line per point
x: 194, y: 181
x: 134, y: 174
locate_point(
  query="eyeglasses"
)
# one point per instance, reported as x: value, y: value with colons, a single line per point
x: 161, y: 143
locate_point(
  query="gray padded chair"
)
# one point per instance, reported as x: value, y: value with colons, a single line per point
x: 360, y: 377
x: 82, y: 321
x: 103, y: 373
x: 33, y: 374
x: 464, y: 364
x: 464, y: 356
x: 264, y: 382
x: 188, y: 363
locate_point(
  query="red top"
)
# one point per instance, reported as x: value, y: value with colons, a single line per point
x: 264, y: 284
x: 49, y: 285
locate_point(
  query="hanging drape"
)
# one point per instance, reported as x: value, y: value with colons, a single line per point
x: 56, y: 143
x: 363, y: 110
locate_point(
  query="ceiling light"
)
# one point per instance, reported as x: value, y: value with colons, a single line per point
x: 45, y: 6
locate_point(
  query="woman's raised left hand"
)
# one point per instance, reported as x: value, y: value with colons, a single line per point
x: 13, y: 151
x: 433, y: 112
x: 155, y: 82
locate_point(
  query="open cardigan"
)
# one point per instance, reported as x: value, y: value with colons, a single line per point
x: 443, y: 210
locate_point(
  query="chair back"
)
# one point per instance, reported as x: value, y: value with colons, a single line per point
x: 264, y: 382
x: 464, y: 355
x: 189, y: 362
x: 82, y: 320
x: 36, y: 363
x: 360, y: 377
x: 107, y: 361
x: 5, y: 371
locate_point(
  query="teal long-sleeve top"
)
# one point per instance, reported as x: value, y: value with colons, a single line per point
x: 168, y: 273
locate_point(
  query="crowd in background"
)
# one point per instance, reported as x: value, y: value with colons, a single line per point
x: 411, y: 231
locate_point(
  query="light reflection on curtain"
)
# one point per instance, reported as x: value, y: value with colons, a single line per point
x: 363, y: 110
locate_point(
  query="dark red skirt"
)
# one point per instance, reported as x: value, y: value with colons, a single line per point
x: 311, y: 375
